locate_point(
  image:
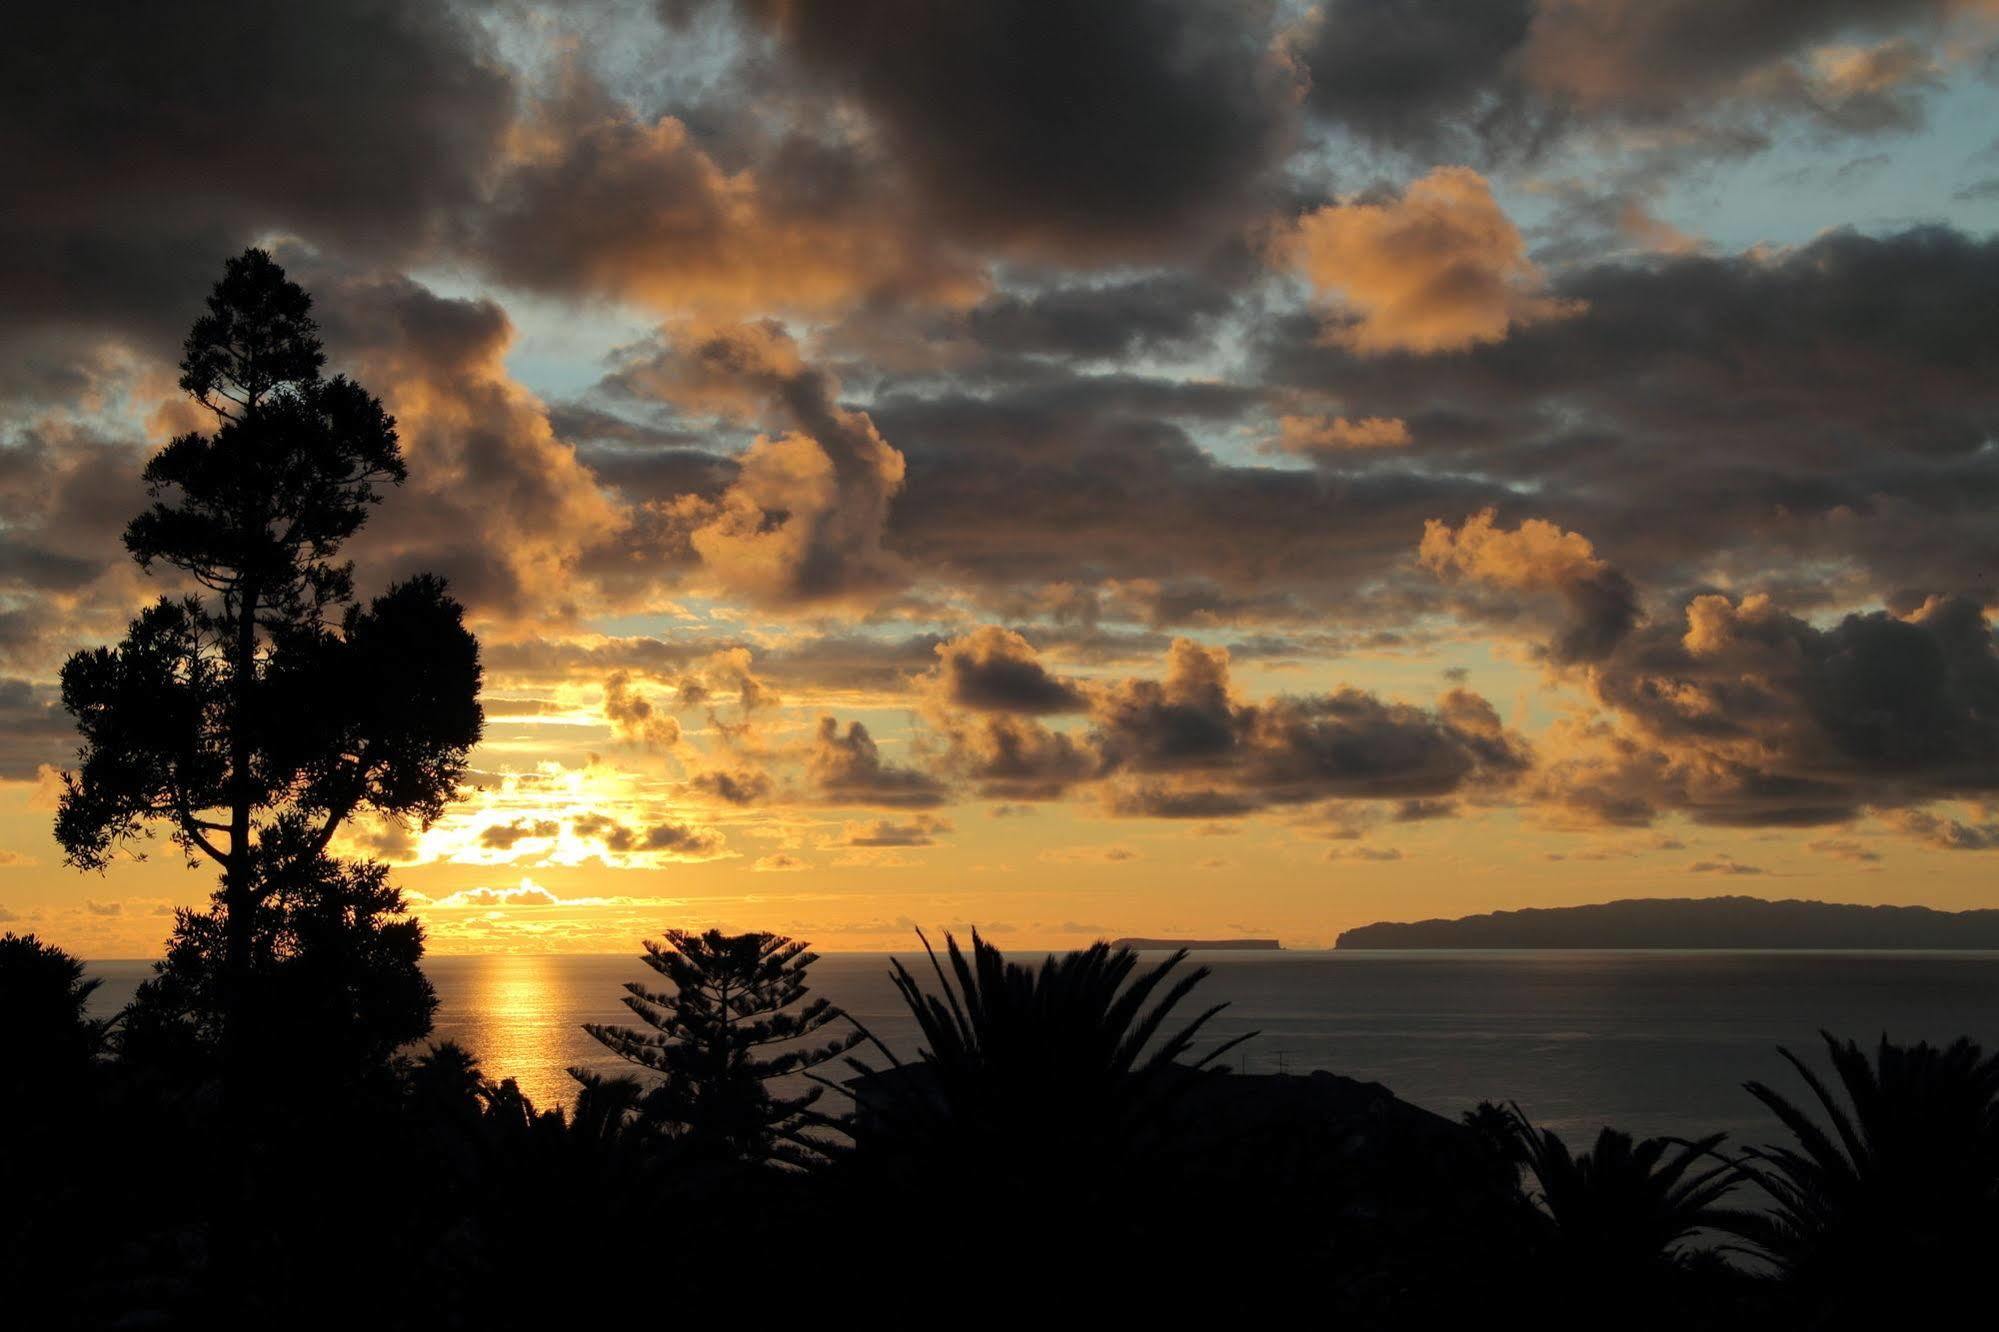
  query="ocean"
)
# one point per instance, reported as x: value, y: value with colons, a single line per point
x: 1651, y: 1042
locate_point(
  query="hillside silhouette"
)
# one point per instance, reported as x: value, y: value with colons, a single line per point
x: 1705, y: 922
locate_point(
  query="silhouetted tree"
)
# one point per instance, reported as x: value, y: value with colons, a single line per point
x: 63, y: 1124
x: 718, y: 1040
x: 1034, y: 1064
x: 252, y: 719
x: 1623, y: 1205
x: 334, y: 986
x: 45, y: 1015
x: 1891, y: 1205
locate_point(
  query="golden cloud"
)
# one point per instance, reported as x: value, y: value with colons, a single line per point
x: 1440, y: 269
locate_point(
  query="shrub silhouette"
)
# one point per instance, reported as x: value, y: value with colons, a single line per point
x: 731, y: 1025
x: 45, y: 1009
x: 1901, y: 1178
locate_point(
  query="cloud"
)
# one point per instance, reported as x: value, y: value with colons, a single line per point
x: 804, y: 517
x: 1008, y: 757
x: 35, y: 733
x: 1223, y: 756
x: 727, y: 671
x: 1124, y: 129
x: 1652, y: 61
x: 495, y: 501
x: 1090, y: 855
x: 634, y: 718
x: 1428, y: 76
x: 597, y: 200
x: 993, y: 669
x: 1184, y: 746
x: 1723, y: 865
x: 778, y: 863
x: 1743, y: 414
x: 919, y: 831
x: 528, y: 894
x: 1334, y: 435
x: 847, y: 768
x: 1511, y: 79
x: 1743, y: 714
x: 734, y: 786
x: 1946, y: 834
x: 391, y: 118
x: 506, y: 836
x: 1844, y: 848
x: 1603, y: 605
x: 667, y: 841
x: 1440, y: 269
x: 1379, y: 854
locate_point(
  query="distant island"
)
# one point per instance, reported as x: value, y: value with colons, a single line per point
x: 1707, y: 922
x: 1197, y: 945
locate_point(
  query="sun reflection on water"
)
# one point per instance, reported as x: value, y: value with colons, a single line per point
x: 511, y: 1016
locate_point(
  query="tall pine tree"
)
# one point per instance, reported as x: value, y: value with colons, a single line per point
x: 253, y: 717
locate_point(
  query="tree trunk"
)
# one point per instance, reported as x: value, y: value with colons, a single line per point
x: 238, y: 890
x: 231, y: 1235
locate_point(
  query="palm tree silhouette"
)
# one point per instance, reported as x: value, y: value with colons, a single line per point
x: 1044, y: 1063
x: 1623, y: 1204
x: 1902, y: 1178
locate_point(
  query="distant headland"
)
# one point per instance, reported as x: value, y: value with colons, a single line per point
x: 1707, y: 922
x: 1197, y: 945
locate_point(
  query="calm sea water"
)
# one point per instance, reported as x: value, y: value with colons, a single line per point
x: 1653, y: 1042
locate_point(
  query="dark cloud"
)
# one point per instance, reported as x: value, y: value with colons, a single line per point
x: 1077, y: 480
x: 1740, y: 713
x: 1184, y: 746
x: 1946, y: 833
x: 1423, y: 75
x: 1102, y: 321
x: 1500, y: 78
x: 133, y: 165
x: 506, y: 836
x: 34, y: 731
x: 1009, y: 757
x: 1751, y: 412
x: 66, y: 494
x: 734, y: 786
x: 1064, y: 131
x: 993, y: 669
x: 675, y: 841
x: 847, y: 768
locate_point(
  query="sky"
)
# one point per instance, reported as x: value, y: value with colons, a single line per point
x: 1146, y: 467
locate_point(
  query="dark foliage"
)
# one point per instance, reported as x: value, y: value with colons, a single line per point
x: 402, y: 1191
x: 735, y: 1021
x: 1624, y: 1206
x: 334, y: 988
x: 45, y: 1006
x: 1049, y: 1066
x: 1899, y: 1180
